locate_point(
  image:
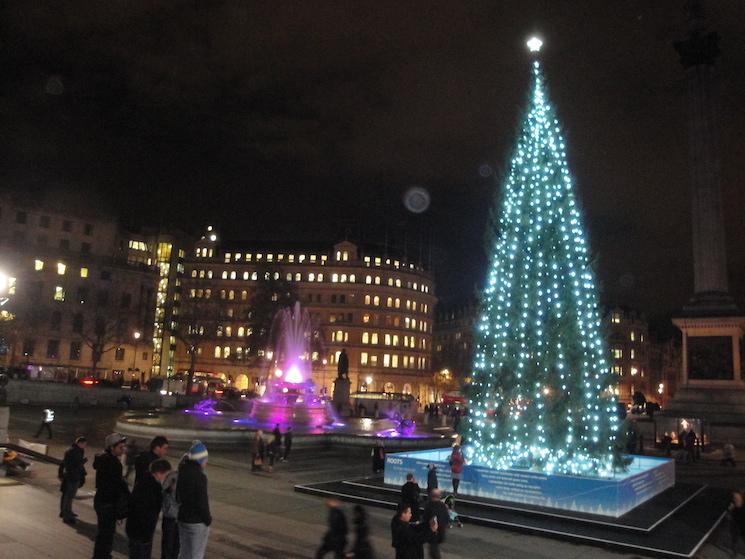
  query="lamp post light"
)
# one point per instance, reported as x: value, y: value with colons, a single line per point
x: 136, y: 335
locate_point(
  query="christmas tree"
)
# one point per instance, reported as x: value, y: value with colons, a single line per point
x: 541, y: 390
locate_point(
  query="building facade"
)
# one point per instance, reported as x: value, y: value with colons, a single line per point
x: 628, y: 343
x: 378, y: 308
x: 454, y: 341
x: 73, y: 305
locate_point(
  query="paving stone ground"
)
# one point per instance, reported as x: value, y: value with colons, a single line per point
x: 259, y: 515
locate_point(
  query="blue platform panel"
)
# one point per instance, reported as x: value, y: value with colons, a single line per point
x: 644, y: 478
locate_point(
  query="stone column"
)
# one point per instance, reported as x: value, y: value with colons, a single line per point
x: 698, y: 53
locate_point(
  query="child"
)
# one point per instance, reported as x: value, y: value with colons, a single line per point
x: 454, y: 519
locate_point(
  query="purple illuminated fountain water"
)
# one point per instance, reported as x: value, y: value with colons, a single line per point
x: 290, y: 397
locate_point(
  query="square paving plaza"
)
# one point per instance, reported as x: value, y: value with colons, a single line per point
x: 260, y: 515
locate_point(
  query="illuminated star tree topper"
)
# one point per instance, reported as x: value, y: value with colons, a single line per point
x: 540, y: 395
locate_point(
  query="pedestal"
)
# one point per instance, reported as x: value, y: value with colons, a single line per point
x: 341, y: 394
x: 711, y: 386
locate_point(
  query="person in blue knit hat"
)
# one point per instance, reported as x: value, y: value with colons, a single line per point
x: 194, y: 516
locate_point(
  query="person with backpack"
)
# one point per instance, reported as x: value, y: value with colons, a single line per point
x: 111, y: 502
x: 144, y: 509
x: 169, y: 543
x: 72, y: 477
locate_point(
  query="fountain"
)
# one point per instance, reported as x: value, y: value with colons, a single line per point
x: 290, y: 400
x: 290, y: 396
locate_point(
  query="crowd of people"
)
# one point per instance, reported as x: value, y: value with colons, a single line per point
x: 178, y: 495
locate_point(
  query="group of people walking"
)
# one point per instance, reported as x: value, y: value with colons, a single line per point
x: 180, y: 496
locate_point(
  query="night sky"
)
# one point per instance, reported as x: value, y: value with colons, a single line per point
x: 308, y: 120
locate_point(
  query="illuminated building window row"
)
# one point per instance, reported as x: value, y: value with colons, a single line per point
x: 392, y: 360
x: 271, y: 257
x: 310, y: 277
x: 61, y: 268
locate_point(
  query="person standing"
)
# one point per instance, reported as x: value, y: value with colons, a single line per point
x: 408, y: 539
x: 335, y: 539
x: 410, y: 492
x: 257, y: 453
x: 72, y: 477
x: 158, y: 450
x: 431, y: 478
x: 378, y: 457
x: 144, y: 509
x: 456, y: 467
x: 437, y: 510
x: 47, y: 416
x: 288, y: 444
x: 277, y: 437
x: 112, y: 494
x: 169, y: 543
x: 194, y: 518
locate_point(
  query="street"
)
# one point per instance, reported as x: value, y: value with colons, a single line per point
x: 255, y: 515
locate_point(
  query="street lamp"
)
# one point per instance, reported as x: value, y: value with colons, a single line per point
x: 136, y: 335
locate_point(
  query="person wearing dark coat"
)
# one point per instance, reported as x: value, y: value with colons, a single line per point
x: 378, y: 457
x: 436, y: 509
x: 288, y: 444
x: 335, y: 539
x: 158, y: 449
x: 407, y: 539
x: 277, y: 436
x: 362, y: 548
x: 431, y: 478
x: 72, y: 477
x: 410, y: 492
x: 194, y: 517
x: 144, y: 508
x: 112, y: 494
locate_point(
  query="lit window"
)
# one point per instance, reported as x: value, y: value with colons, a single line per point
x: 398, y: 303
x: 298, y: 276
x: 632, y: 337
x: 254, y: 276
x: 228, y: 331
x: 363, y: 358
x: 617, y: 353
x: 83, y: 272
x: 343, y: 278
x: 632, y: 354
x: 270, y: 258
x: 217, y: 351
x: 368, y: 279
x: 365, y: 338
x: 311, y: 277
x: 394, y: 360
x: 367, y: 299
x: 634, y: 371
x: 61, y: 268
x: 226, y: 352
x: 398, y: 283
x: 288, y: 276
x: 232, y: 275
x: 365, y: 318
x: 320, y: 277
x: 615, y: 318
x: 241, y: 331
x: 38, y: 265
x: 224, y: 274
x: 374, y: 338
x: 334, y: 278
x: 244, y: 295
x: 59, y: 293
x: 377, y: 280
x: 390, y: 282
x: 395, y: 339
x: 387, y: 339
x: 386, y: 360
x: 227, y: 257
x: 376, y: 301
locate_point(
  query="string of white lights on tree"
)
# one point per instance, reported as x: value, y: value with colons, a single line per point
x: 541, y: 391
